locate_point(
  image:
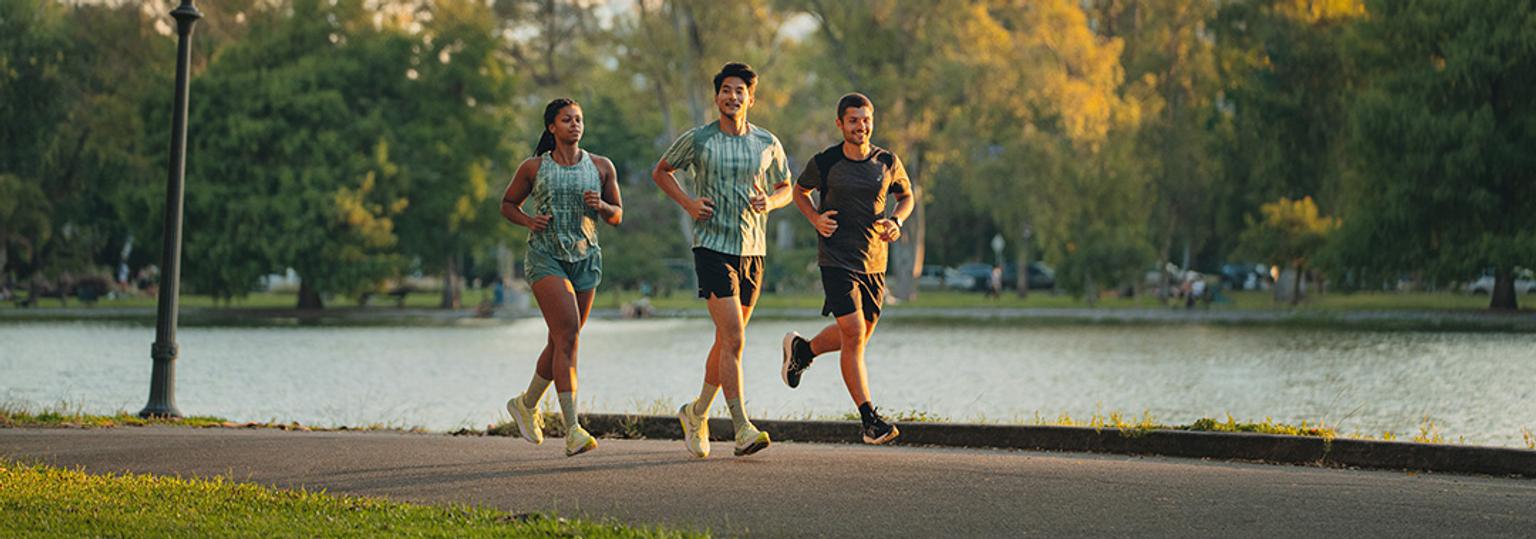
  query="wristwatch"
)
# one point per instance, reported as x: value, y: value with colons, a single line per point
x: 897, y: 220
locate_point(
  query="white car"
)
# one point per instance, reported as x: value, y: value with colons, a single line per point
x: 1483, y: 286
x: 958, y: 280
x: 932, y: 277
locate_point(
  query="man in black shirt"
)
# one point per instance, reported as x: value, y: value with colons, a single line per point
x: 853, y: 178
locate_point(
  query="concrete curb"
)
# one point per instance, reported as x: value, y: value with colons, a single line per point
x: 1306, y: 450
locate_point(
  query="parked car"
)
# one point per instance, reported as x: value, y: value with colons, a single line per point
x: 980, y: 275
x: 954, y: 279
x: 1525, y: 283
x: 1041, y: 276
x: 932, y: 276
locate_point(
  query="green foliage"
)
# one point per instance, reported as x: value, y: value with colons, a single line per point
x: 1170, y: 66
x: 449, y: 120
x: 72, y: 131
x: 1442, y: 137
x: 1286, y: 81
x: 288, y: 152
x: 1290, y: 233
x: 357, y: 142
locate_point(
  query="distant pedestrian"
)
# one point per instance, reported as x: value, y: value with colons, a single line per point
x: 995, y: 283
x: 1198, y: 292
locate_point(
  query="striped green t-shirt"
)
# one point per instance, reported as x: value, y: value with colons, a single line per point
x: 725, y: 167
x: 557, y: 191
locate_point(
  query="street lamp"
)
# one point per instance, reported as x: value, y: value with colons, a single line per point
x: 162, y: 380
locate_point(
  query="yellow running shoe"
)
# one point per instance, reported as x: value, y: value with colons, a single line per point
x: 749, y: 440
x: 695, y: 430
x: 578, y: 441
x: 530, y: 423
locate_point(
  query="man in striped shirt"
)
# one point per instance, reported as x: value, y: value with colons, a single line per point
x: 739, y: 174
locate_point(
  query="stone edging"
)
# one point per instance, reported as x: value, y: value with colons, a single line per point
x: 1305, y: 450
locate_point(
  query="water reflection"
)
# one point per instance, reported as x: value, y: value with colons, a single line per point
x: 1475, y: 385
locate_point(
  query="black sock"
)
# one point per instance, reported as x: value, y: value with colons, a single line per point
x: 802, y: 349
x: 867, y: 412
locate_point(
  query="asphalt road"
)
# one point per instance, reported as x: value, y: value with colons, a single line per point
x: 820, y: 490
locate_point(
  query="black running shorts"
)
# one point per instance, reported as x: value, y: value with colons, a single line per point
x: 849, y: 291
x: 722, y: 275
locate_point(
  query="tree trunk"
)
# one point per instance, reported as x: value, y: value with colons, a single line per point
x: 309, y: 298
x: 34, y: 284
x: 1090, y: 292
x: 1503, y: 297
x: 1296, y: 286
x: 1022, y: 286
x: 906, y: 255
x: 1164, y: 280
x: 451, y: 294
x: 901, y: 264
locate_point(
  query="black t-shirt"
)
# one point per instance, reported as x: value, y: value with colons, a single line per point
x: 856, y: 189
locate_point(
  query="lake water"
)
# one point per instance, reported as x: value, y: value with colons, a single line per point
x: 1480, y: 387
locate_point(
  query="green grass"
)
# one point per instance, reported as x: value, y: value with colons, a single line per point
x: 43, y: 501
x: 811, y: 300
x: 426, y: 299
x: 1428, y: 433
x: 1132, y: 425
x: 1268, y: 426
x: 71, y: 416
x: 1375, y: 301
x: 68, y: 416
x: 1246, y: 300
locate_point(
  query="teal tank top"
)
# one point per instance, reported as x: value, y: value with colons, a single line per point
x: 557, y: 191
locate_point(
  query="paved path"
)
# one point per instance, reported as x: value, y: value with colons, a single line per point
x: 820, y: 490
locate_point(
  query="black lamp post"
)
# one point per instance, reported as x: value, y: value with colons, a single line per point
x: 162, y: 381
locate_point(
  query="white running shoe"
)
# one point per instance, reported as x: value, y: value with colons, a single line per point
x: 695, y: 430
x: 530, y: 423
x: 749, y: 440
x: 577, y: 441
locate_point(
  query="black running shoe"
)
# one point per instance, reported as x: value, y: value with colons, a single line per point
x: 797, y: 358
x: 877, y: 431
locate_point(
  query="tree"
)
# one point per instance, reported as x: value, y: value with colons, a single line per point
x: 1284, y: 101
x: 673, y: 49
x: 32, y: 79
x: 1290, y: 234
x: 289, y: 162
x: 551, y: 41
x: 1052, y: 150
x: 894, y: 52
x: 74, y: 78
x: 449, y: 124
x: 1442, y: 142
x: 1170, y: 69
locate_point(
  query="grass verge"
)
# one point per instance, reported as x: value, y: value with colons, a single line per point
x: 45, y: 501
x: 67, y: 416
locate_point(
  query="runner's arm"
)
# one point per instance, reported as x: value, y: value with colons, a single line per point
x: 662, y: 174
x: 517, y: 192
x: 611, y: 205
